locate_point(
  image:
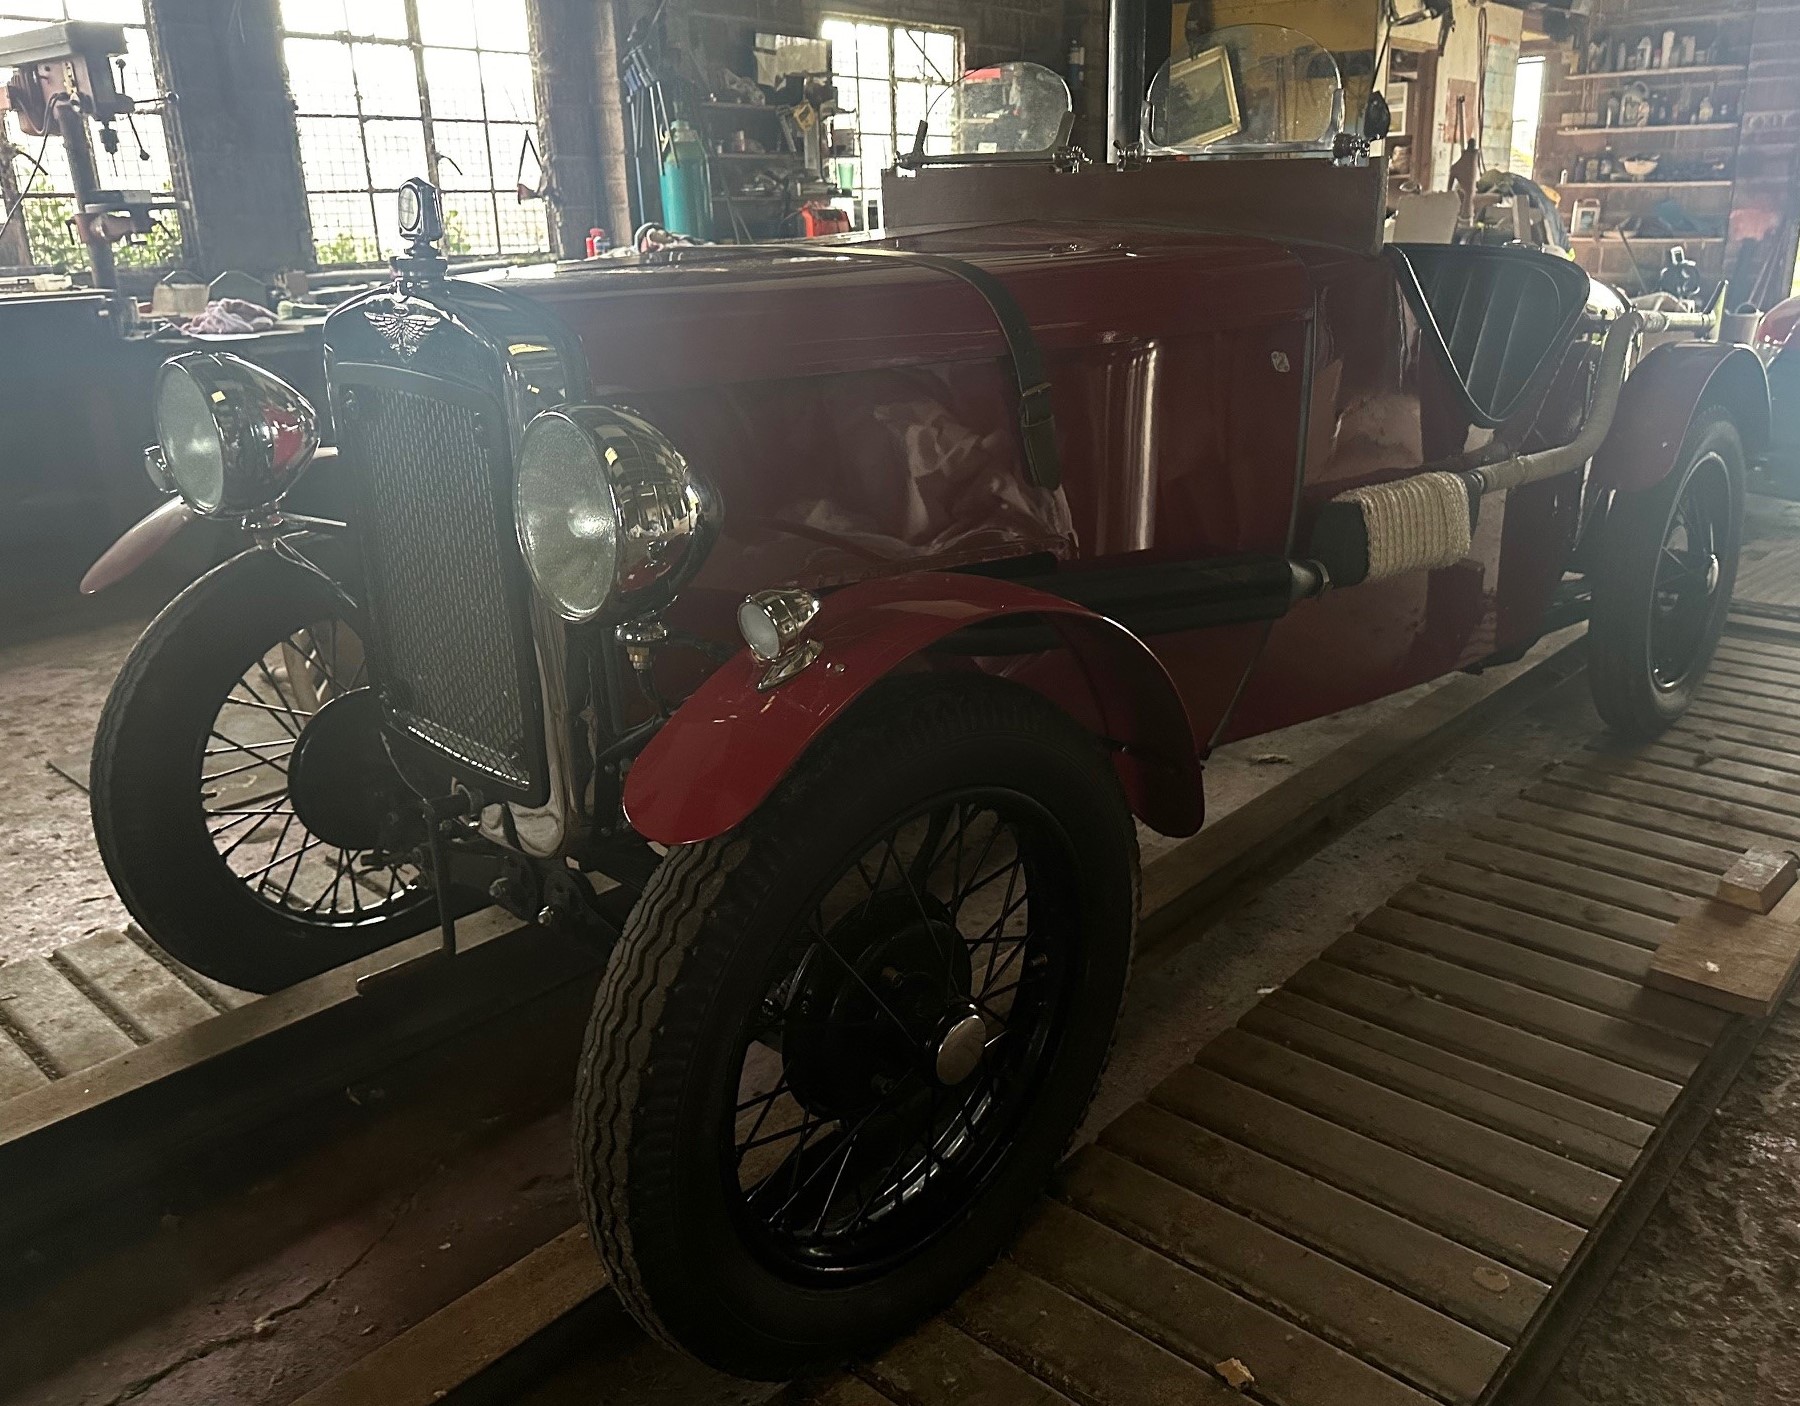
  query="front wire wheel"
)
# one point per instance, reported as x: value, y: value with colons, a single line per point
x: 250, y: 816
x: 838, y: 1051
x: 192, y: 813
x: 896, y: 1044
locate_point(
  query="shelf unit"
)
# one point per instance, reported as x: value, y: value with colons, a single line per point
x: 762, y: 213
x: 1629, y: 131
x: 1692, y: 73
x: 1701, y: 156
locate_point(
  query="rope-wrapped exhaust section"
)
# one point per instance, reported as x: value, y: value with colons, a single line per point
x: 1425, y: 520
x: 1413, y: 524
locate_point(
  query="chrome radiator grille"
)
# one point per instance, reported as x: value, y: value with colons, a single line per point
x: 446, y: 594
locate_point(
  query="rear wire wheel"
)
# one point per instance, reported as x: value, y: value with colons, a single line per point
x: 1662, y: 582
x: 838, y: 1051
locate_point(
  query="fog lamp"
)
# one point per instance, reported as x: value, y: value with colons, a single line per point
x: 233, y: 437
x: 775, y: 622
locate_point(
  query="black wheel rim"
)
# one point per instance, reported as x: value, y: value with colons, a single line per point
x: 244, y: 801
x: 1689, y: 574
x: 858, y: 1134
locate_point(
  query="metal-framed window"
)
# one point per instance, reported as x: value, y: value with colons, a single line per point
x: 47, y: 192
x: 888, y: 76
x: 385, y: 90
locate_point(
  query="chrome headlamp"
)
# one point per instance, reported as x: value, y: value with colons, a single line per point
x: 611, y: 519
x: 231, y: 437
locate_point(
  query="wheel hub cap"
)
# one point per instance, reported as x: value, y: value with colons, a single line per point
x: 339, y: 777
x: 960, y: 1049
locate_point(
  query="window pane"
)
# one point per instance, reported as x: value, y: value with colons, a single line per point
x: 940, y: 53
x: 343, y: 229
x: 463, y: 155
x: 331, y: 154
x: 469, y: 225
x: 387, y: 223
x: 507, y: 142
x: 103, y: 11
x: 522, y: 227
x: 33, y: 12
x: 313, y: 16
x: 872, y: 99
x: 140, y: 70
x: 501, y: 24
x: 508, y: 84
x: 453, y: 78
x: 381, y: 19
x: 878, y: 156
x: 371, y: 19
x: 320, y: 76
x: 910, y: 105
x: 909, y: 54
x: 396, y: 151
x: 387, y: 80
x: 448, y: 22
x: 842, y: 36
x: 872, y: 50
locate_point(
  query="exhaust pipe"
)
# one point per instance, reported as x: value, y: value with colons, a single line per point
x: 1426, y: 520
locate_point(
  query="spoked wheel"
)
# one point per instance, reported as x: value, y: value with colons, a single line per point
x: 245, y: 792
x: 1662, y: 583
x: 1689, y: 574
x: 838, y: 1051
x: 193, y: 783
x: 897, y: 1044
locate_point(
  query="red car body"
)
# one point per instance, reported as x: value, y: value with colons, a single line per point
x: 1211, y: 390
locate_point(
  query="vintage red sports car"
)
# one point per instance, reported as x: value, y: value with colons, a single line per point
x: 812, y: 624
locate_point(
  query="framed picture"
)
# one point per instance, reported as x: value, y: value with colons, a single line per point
x: 1584, y: 219
x: 1202, y: 100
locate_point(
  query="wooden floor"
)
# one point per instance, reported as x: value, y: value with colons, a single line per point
x: 1769, y: 577
x: 1400, y: 1177
x: 101, y: 996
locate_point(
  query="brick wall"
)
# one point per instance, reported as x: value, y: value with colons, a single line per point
x: 238, y: 160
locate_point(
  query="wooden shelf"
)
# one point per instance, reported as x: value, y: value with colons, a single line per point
x: 1640, y: 185
x: 1614, y: 237
x: 1665, y: 127
x: 1631, y: 75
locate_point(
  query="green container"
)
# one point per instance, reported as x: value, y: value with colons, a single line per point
x: 686, y: 183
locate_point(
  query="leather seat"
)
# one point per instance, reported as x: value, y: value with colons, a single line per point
x: 1494, y: 315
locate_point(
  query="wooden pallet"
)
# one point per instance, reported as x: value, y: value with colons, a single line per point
x: 1401, y: 1178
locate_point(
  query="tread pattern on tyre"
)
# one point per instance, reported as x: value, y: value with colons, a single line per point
x: 666, y: 942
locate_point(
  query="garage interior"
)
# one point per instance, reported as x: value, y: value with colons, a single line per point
x: 1405, y: 1105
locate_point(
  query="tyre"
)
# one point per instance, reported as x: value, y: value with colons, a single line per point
x: 1662, y: 581
x: 838, y: 1051
x: 189, y: 784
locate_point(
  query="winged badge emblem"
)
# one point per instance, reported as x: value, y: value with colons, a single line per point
x: 403, y: 331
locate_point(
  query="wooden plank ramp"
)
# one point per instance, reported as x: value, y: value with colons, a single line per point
x: 1401, y: 1177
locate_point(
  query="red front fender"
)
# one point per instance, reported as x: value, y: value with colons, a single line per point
x: 729, y: 745
x: 1658, y: 404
